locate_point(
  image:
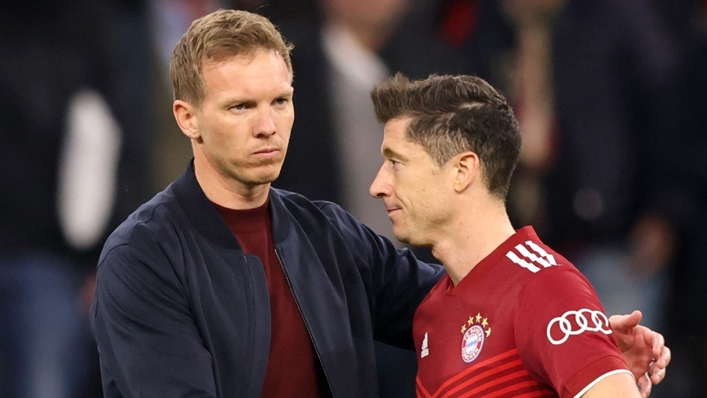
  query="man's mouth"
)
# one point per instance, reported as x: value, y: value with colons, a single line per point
x: 267, y: 153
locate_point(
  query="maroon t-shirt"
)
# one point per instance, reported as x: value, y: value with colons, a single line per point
x: 292, y: 362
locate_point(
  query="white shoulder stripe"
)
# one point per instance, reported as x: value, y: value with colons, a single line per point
x: 514, y: 257
x: 531, y: 259
x: 550, y: 258
x: 532, y: 256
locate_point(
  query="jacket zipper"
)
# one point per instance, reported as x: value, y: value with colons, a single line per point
x: 304, y: 320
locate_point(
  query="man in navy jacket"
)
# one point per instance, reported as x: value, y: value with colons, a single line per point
x: 222, y: 286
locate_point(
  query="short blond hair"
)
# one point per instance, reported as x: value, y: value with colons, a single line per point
x: 220, y: 34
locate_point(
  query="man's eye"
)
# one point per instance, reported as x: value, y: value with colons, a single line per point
x: 238, y: 107
x: 281, y: 101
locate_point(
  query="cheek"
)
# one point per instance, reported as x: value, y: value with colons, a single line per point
x: 429, y: 200
x: 285, y: 122
x: 285, y: 130
x: 225, y: 136
x: 216, y: 138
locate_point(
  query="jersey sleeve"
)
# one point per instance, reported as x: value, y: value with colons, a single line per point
x: 563, y: 334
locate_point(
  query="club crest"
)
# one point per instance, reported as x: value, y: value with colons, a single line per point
x: 475, y: 331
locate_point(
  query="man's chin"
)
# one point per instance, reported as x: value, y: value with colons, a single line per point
x: 410, y: 239
x: 267, y: 175
x: 262, y: 180
x: 401, y: 236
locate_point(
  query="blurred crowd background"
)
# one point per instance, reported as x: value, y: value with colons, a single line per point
x: 611, y: 96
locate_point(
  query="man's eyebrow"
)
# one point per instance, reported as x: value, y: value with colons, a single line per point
x: 249, y: 102
x: 241, y: 101
x: 287, y: 93
x: 389, y: 153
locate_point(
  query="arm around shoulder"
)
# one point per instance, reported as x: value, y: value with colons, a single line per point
x: 396, y: 280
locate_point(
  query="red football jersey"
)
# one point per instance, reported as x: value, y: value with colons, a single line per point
x: 523, y: 323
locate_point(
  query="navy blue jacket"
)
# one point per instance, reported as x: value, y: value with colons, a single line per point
x: 180, y: 310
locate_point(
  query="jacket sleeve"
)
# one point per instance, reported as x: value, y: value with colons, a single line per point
x: 397, y: 282
x: 148, y: 343
x: 400, y: 282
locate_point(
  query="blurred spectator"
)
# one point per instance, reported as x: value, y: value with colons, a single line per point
x: 73, y: 157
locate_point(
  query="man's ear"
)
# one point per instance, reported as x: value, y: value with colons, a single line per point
x: 187, y: 119
x: 467, y: 169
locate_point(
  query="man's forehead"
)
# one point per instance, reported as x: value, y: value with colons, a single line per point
x: 239, y: 72
x: 398, y: 123
x: 397, y: 143
x: 397, y: 129
x: 243, y: 57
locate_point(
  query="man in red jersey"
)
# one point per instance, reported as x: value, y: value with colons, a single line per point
x: 512, y: 317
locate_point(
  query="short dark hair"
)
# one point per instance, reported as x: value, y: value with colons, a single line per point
x: 453, y: 114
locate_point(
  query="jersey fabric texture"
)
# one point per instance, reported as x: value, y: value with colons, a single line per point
x: 523, y: 323
x: 180, y: 310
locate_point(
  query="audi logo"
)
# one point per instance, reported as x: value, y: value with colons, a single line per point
x: 585, y: 320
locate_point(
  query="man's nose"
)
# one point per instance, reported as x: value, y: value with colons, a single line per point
x: 379, y: 187
x: 266, y: 123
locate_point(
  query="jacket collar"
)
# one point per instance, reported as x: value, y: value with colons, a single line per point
x: 206, y: 220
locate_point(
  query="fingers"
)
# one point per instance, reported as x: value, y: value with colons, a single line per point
x: 623, y: 322
x: 660, y: 351
x: 658, y: 376
x: 657, y: 369
x: 665, y: 357
x: 644, y: 386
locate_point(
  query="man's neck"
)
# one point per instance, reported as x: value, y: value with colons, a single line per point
x: 475, y: 234
x: 228, y: 192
